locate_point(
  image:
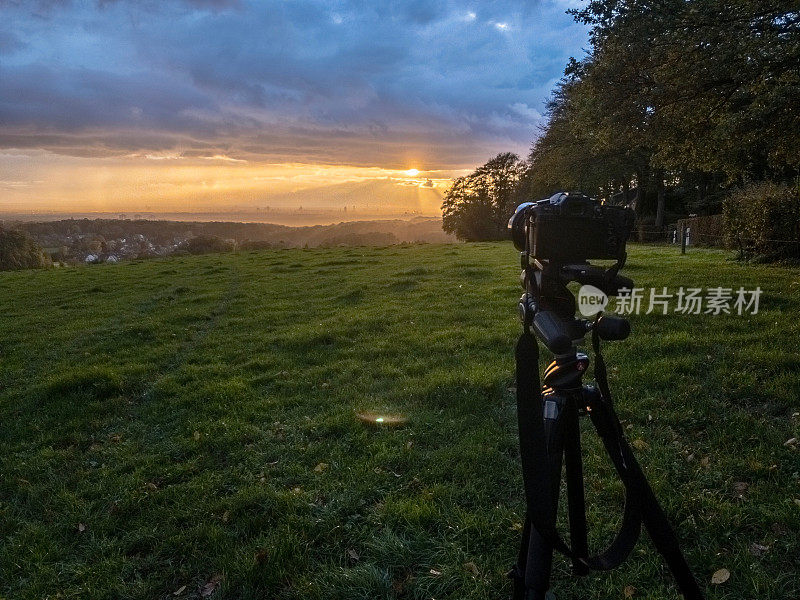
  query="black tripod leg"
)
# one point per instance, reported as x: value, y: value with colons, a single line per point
x: 529, y: 582
x: 538, y: 568
x: 518, y: 572
x: 539, y: 565
x: 576, y: 500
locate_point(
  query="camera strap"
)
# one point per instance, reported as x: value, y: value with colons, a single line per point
x: 653, y: 517
x: 641, y: 505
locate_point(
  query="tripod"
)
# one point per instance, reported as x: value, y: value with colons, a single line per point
x: 549, y: 434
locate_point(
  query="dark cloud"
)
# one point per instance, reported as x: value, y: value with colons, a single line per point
x: 335, y: 82
x: 9, y: 42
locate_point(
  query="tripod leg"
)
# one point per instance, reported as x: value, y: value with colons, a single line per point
x: 539, y: 565
x: 536, y: 544
x: 517, y: 574
x: 538, y: 568
x: 576, y: 500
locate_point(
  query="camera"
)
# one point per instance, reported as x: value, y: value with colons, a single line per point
x: 571, y: 227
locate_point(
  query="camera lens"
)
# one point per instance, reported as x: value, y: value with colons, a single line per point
x: 517, y: 225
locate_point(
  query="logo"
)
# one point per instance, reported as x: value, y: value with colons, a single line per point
x: 591, y: 300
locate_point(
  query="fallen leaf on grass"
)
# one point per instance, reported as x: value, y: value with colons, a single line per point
x: 791, y: 442
x: 353, y: 554
x: 401, y: 581
x: 435, y: 573
x: 739, y: 488
x: 211, y: 586
x: 472, y: 568
x: 640, y: 445
x: 720, y: 576
x: 197, y: 435
x: 780, y: 528
x: 320, y: 467
x: 758, y: 549
x: 629, y: 591
x: 81, y: 527
x: 179, y: 591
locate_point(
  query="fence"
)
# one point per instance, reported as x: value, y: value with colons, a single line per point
x: 698, y: 231
x: 703, y: 231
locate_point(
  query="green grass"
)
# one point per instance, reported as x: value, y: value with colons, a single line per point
x: 177, y: 422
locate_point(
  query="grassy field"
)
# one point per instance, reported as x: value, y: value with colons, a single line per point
x: 187, y: 428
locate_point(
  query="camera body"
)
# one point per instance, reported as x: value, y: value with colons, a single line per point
x: 571, y: 227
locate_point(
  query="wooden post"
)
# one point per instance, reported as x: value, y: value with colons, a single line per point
x: 683, y: 238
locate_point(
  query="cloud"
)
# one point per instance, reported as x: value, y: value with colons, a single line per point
x: 350, y: 82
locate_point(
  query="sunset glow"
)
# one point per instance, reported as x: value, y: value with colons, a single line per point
x: 198, y: 105
x: 171, y: 183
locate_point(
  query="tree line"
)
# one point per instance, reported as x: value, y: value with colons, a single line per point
x: 676, y: 105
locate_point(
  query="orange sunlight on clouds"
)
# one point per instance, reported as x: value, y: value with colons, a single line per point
x: 42, y: 181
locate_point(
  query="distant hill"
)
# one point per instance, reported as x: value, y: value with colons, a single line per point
x: 90, y: 240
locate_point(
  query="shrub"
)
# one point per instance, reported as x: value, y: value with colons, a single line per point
x: 369, y: 238
x: 205, y: 244
x: 257, y: 245
x: 18, y: 250
x: 762, y: 221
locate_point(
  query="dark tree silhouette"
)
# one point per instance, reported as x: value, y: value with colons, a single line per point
x: 477, y: 206
x: 18, y: 250
x: 205, y: 244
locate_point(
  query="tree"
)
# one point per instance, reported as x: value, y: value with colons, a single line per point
x: 718, y: 78
x: 679, y: 99
x: 206, y: 244
x: 477, y: 206
x: 569, y: 156
x: 19, y: 251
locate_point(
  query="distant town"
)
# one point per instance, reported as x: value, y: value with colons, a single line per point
x: 297, y: 216
x: 84, y: 240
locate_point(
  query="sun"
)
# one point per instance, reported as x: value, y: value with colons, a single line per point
x: 412, y: 172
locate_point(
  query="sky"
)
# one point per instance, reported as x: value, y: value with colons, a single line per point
x: 110, y: 105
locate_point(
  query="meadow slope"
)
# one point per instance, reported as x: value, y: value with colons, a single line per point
x: 188, y: 426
